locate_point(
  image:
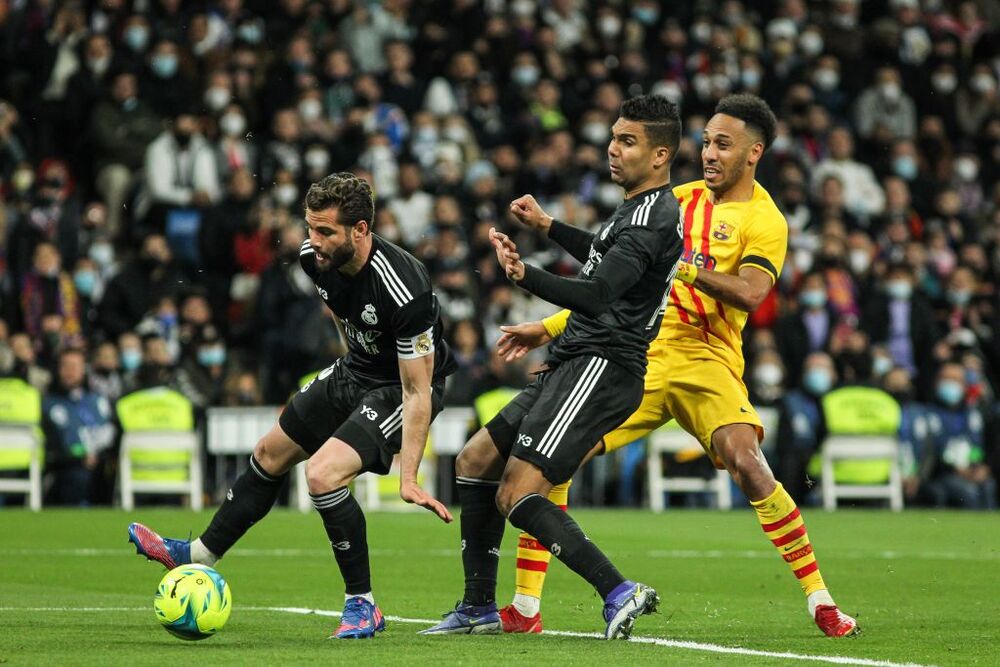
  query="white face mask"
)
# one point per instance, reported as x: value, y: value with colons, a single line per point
x: 233, y: 124
x: 456, y: 133
x: 217, y: 97
x: 983, y: 84
x: 286, y: 193
x: 944, y: 82
x: 317, y: 159
x: 826, y: 78
x: 768, y: 374
x: 966, y: 169
x: 859, y: 261
x: 595, y: 133
x: 890, y: 91
x: 310, y: 109
x: 811, y: 44
x: 609, y: 26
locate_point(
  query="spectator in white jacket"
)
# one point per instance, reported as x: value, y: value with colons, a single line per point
x: 864, y: 195
x: 181, y: 168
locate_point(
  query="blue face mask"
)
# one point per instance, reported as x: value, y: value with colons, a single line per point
x: 959, y: 297
x: 905, y: 167
x: 164, y: 65
x: 131, y: 359
x: 817, y: 381
x: 899, y: 290
x: 813, y: 298
x: 881, y: 366
x: 646, y: 15
x: 137, y: 37
x: 950, y: 392
x: 212, y: 356
x: 85, y: 281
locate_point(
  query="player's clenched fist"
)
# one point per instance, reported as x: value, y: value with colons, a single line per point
x: 530, y: 214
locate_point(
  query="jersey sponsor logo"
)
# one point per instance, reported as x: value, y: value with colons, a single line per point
x: 699, y: 259
x: 368, y: 412
x: 423, y: 344
x: 366, y: 339
x: 722, y: 231
x: 322, y: 292
x: 594, y: 259
x: 369, y: 316
x: 524, y: 440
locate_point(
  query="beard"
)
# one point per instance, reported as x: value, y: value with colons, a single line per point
x: 340, y: 256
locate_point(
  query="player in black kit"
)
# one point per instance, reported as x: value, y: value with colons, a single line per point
x: 593, y: 380
x: 377, y: 401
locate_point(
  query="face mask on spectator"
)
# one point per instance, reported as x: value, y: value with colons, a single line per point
x: 609, y: 195
x: 826, y: 78
x: 646, y: 14
x: 525, y: 75
x: 310, y: 109
x: 99, y: 65
x: 164, y: 65
x: 456, y: 133
x: 859, y: 261
x: 959, y: 297
x: 317, y: 159
x: 609, y: 26
x: 137, y: 37
x: 982, y: 84
x: 701, y: 32
x: 102, y: 253
x: 813, y: 298
x: 250, y: 33
x: 890, y: 91
x: 966, y: 169
x: 426, y: 134
x: 817, y: 381
x: 950, y: 392
x: 782, y: 143
x: 881, y: 366
x: 85, y: 281
x: 131, y: 359
x: 217, y: 97
x: 130, y: 103
x: 233, y: 124
x: 23, y: 179
x: 212, y: 356
x: 750, y: 78
x: 899, y: 290
x: 944, y: 82
x: 811, y: 44
x: 595, y: 133
x: 905, y: 166
x: 285, y: 194
x: 768, y: 374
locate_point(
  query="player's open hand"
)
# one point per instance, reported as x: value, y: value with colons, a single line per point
x: 530, y: 214
x: 412, y: 493
x: 519, y: 339
x: 507, y: 255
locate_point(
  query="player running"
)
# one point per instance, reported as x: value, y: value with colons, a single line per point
x: 734, y: 246
x: 592, y: 382
x: 377, y: 401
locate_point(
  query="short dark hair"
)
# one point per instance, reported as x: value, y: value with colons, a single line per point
x: 352, y: 196
x: 753, y: 111
x: 659, y: 116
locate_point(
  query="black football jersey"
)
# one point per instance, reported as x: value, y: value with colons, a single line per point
x: 646, y: 228
x: 388, y: 310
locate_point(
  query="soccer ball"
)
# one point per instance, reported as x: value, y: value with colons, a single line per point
x: 193, y: 602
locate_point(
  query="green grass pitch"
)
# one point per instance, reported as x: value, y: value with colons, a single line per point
x: 925, y: 587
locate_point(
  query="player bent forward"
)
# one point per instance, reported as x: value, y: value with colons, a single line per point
x: 377, y: 401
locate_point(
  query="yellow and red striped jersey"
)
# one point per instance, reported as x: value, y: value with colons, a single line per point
x: 722, y: 238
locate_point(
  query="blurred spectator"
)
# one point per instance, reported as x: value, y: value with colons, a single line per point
x: 901, y: 318
x: 105, y: 378
x: 467, y: 346
x: 24, y: 364
x: 802, y: 428
x: 961, y: 479
x: 885, y: 105
x: 807, y: 329
x: 132, y: 291
x: 79, y: 433
x: 49, y: 291
x: 867, y: 198
x: 242, y: 389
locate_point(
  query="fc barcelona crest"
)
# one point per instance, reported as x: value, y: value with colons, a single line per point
x: 722, y: 231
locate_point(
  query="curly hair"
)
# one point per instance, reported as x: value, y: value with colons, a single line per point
x: 659, y: 116
x: 753, y: 111
x: 350, y: 195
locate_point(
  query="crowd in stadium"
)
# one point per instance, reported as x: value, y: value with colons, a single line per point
x: 154, y: 156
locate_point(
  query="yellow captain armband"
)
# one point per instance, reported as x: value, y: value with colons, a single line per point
x: 687, y: 272
x: 556, y: 324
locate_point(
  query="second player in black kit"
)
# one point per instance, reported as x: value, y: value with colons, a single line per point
x: 593, y: 380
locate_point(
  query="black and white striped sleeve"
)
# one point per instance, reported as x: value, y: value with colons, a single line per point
x: 307, y: 258
x: 412, y: 347
x: 416, y: 310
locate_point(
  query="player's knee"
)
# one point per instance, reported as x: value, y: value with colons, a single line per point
x: 323, y: 475
x: 506, y: 499
x: 478, y: 458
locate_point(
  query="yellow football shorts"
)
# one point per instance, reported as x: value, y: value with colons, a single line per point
x: 689, y: 383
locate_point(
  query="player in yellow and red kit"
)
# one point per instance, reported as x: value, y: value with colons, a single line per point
x: 734, y: 247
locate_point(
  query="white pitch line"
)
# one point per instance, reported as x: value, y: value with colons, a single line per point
x: 450, y: 553
x: 667, y: 643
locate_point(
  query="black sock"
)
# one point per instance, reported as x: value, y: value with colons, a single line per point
x: 248, y: 501
x: 482, y: 532
x: 560, y: 534
x: 346, y: 527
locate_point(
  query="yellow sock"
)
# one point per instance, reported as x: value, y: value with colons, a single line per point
x: 783, y: 525
x: 532, y: 558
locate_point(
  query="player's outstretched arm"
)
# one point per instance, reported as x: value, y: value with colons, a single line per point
x: 745, y: 291
x: 415, y: 375
x: 574, y: 240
